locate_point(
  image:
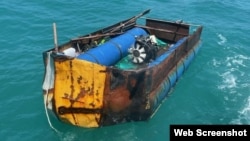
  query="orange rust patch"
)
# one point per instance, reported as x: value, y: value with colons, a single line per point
x: 119, y: 100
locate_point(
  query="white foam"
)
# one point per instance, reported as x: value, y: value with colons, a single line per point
x: 68, y: 136
x: 237, y: 60
x: 232, y: 61
x: 222, y: 39
x: 244, y: 114
x: 246, y: 109
x: 229, y: 81
x: 233, y: 72
x: 216, y: 63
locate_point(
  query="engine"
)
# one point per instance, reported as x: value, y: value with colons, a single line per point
x: 144, y: 49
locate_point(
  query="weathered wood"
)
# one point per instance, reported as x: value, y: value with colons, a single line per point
x: 96, y: 36
x: 162, y: 30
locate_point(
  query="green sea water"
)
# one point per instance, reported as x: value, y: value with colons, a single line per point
x: 214, y: 90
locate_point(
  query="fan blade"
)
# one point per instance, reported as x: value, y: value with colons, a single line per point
x: 140, y: 60
x: 137, y: 46
x: 134, y: 60
x: 143, y: 55
x: 142, y: 50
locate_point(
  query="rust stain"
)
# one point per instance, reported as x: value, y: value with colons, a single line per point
x: 92, y: 104
x: 97, y: 93
x: 71, y: 80
x: 97, y: 100
x: 118, y: 99
x: 132, y: 82
x: 79, y: 79
x: 66, y: 95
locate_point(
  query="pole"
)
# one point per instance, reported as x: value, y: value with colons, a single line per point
x: 55, y: 37
x: 130, y: 20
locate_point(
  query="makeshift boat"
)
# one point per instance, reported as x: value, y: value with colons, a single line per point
x: 118, y: 74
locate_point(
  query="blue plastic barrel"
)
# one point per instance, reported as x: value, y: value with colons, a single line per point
x: 113, y: 50
x: 188, y: 59
x: 165, y: 88
x: 180, y: 69
x: 172, y: 77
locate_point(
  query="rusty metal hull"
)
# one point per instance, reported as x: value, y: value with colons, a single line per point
x: 88, y: 94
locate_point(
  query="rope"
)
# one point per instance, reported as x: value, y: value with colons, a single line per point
x: 48, y: 84
x: 46, y: 111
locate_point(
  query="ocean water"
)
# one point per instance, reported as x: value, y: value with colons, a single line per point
x: 214, y: 90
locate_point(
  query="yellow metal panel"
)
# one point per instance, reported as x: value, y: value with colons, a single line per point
x: 79, y: 84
